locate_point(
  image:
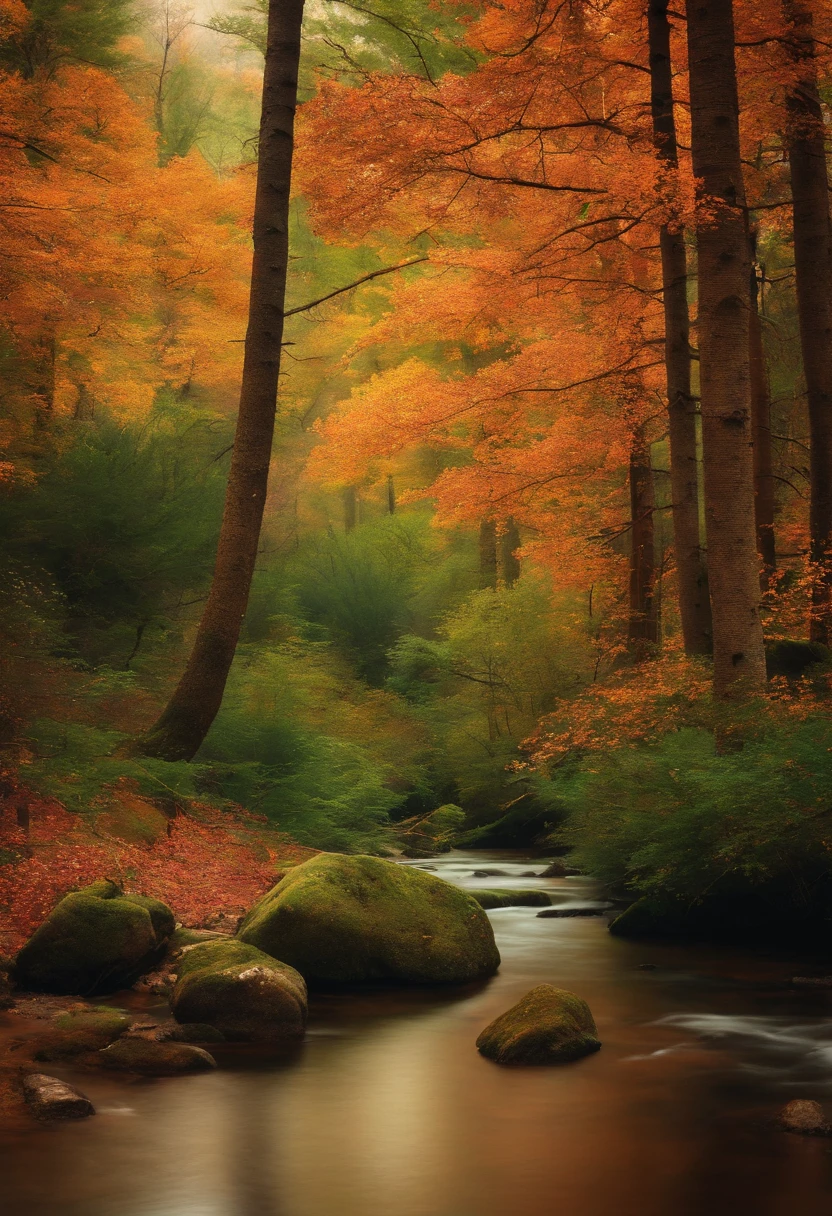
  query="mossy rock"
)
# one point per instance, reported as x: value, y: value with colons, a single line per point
x: 192, y: 937
x: 132, y: 819
x: 155, y: 1059
x: 95, y: 940
x: 353, y: 920
x: 511, y: 899
x: 239, y: 990
x: 79, y: 1031
x: 547, y: 1026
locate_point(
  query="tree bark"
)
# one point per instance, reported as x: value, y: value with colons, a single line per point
x: 733, y: 570
x: 509, y: 561
x: 391, y: 495
x: 691, y: 571
x: 488, y: 554
x: 187, y: 718
x: 350, y: 499
x: 761, y: 426
x: 813, y: 272
x: 642, y: 631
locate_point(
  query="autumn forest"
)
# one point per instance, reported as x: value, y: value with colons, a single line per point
x: 416, y: 545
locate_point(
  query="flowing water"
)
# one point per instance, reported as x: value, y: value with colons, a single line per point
x: 388, y: 1110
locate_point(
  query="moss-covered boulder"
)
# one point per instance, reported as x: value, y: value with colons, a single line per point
x: 95, y: 940
x: 499, y: 898
x: 155, y: 1059
x: 547, y: 1026
x: 71, y: 1034
x: 241, y: 991
x: 352, y: 920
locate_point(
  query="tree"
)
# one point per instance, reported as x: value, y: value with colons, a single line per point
x: 691, y: 574
x: 724, y: 270
x: 185, y: 721
x: 806, y: 146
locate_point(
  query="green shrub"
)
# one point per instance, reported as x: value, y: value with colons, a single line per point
x: 678, y: 820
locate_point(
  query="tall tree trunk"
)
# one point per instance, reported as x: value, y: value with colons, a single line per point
x: 642, y: 631
x: 488, y: 554
x: 761, y: 427
x: 733, y: 569
x: 350, y: 500
x: 185, y: 721
x: 813, y: 271
x: 691, y: 572
x: 391, y: 495
x: 509, y: 561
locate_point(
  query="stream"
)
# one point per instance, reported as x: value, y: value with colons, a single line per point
x: 387, y: 1109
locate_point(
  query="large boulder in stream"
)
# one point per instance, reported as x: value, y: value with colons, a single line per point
x: 95, y: 940
x: 546, y: 1026
x: 352, y: 920
x: 242, y: 992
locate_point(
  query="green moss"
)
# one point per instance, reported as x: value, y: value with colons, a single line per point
x: 155, y: 1059
x: 348, y: 920
x: 547, y: 1026
x: 71, y: 1034
x: 191, y: 937
x: 240, y: 991
x: 511, y: 899
x: 95, y: 940
x: 161, y: 917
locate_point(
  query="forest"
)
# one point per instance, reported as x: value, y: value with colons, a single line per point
x: 416, y: 448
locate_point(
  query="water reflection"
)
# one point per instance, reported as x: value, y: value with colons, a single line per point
x: 388, y: 1110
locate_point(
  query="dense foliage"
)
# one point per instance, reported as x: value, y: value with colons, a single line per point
x: 467, y: 591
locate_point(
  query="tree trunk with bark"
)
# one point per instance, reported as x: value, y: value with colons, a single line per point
x: 691, y: 571
x: 733, y: 568
x: 761, y: 426
x: 813, y: 272
x: 642, y: 630
x: 509, y: 561
x: 488, y: 554
x: 185, y: 721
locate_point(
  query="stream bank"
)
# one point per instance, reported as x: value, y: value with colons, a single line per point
x: 387, y: 1108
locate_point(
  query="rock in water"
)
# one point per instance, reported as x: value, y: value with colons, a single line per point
x: 804, y: 1117
x: 240, y: 991
x: 95, y: 940
x: 499, y: 898
x: 71, y: 1034
x: 349, y: 920
x: 547, y: 1026
x: 50, y: 1098
x: 155, y: 1059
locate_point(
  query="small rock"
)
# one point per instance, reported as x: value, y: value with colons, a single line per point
x: 560, y: 913
x: 155, y: 1059
x: 647, y: 967
x: 547, y: 1026
x: 50, y: 1098
x: 489, y: 873
x: 805, y: 1118
x: 531, y: 874
x: 511, y: 899
x: 812, y: 981
x: 559, y: 869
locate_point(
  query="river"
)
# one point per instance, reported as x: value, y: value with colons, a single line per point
x: 387, y: 1109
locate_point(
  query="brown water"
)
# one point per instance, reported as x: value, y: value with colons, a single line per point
x: 388, y: 1110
